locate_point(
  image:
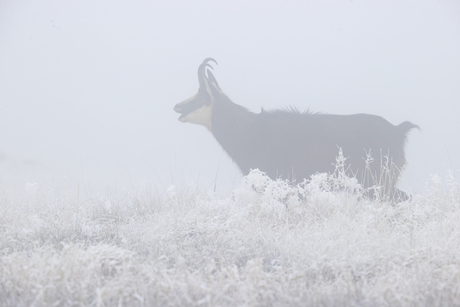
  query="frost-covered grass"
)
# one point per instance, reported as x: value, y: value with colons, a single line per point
x: 266, y: 244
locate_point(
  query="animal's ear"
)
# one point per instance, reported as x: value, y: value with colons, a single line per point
x: 212, y: 79
x: 206, y: 92
x: 212, y: 84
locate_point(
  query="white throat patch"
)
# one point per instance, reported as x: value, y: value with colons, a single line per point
x: 201, y: 116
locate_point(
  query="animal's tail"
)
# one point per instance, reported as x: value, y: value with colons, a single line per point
x: 405, y: 127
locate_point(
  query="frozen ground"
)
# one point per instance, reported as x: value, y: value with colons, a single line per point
x: 266, y: 244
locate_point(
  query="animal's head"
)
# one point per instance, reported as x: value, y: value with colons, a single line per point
x: 198, y: 108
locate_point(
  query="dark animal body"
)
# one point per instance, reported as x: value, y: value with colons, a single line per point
x: 294, y: 145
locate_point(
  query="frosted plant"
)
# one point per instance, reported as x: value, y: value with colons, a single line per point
x: 270, y: 244
x: 453, y: 186
x: 31, y: 188
x: 272, y: 191
x: 171, y: 191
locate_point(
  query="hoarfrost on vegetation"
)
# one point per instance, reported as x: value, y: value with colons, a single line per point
x: 269, y: 243
x: 31, y: 188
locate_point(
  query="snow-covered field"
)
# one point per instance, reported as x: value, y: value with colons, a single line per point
x: 265, y: 244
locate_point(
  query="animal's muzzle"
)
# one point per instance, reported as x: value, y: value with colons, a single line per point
x: 180, y: 110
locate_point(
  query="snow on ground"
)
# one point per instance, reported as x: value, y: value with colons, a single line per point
x: 266, y: 244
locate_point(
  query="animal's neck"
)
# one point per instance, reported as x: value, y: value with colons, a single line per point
x: 235, y: 128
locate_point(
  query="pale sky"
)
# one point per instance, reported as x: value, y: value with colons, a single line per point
x: 87, y: 88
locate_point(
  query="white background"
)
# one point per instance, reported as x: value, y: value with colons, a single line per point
x: 87, y: 88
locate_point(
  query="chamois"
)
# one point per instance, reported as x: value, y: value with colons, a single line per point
x: 294, y: 145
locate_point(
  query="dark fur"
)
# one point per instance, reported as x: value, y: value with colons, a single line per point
x: 294, y: 145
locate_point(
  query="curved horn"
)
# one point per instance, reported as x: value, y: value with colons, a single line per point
x: 201, y: 70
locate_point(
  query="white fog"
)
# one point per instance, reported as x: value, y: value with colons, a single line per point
x: 88, y: 88
x: 87, y: 91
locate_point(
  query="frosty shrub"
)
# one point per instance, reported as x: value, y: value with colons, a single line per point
x: 321, y: 192
x: 269, y: 243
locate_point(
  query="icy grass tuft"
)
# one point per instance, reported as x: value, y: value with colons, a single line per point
x: 269, y: 243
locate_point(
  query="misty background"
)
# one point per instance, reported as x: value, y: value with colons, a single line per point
x: 87, y: 88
